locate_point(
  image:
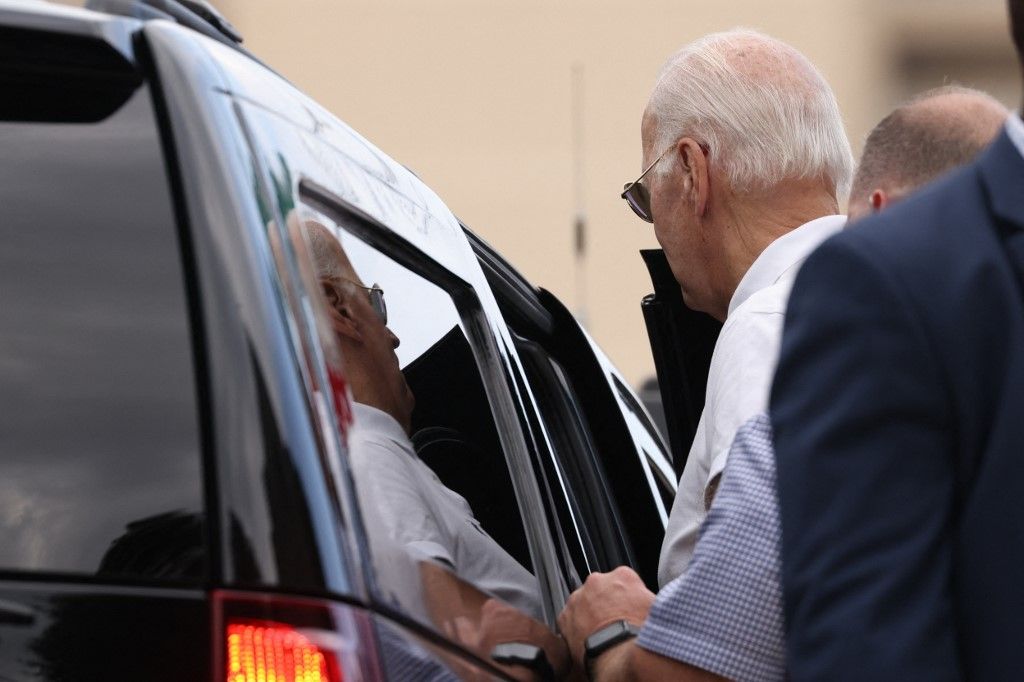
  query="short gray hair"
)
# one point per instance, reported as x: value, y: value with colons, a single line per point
x: 761, y: 124
x: 323, y: 247
x: 913, y: 146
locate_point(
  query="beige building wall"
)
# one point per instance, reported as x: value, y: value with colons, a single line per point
x: 475, y: 97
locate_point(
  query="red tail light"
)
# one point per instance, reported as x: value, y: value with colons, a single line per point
x: 274, y: 652
x: 339, y: 392
x: 269, y: 638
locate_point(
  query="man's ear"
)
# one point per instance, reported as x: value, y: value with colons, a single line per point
x: 331, y: 293
x: 693, y: 164
x: 343, y: 321
x: 878, y: 200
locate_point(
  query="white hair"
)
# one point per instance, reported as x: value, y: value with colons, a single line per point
x: 323, y: 246
x: 762, y: 109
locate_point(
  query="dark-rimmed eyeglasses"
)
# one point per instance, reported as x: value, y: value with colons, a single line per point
x: 636, y: 194
x: 376, y: 297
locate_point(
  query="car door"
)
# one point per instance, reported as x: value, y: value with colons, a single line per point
x: 307, y: 165
x: 682, y: 341
x: 615, y: 468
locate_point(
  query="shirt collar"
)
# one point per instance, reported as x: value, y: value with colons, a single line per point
x: 371, y: 420
x: 1015, y: 129
x: 782, y: 254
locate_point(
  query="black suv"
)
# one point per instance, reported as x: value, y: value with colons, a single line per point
x: 177, y: 501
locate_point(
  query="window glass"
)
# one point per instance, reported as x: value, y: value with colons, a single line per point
x: 424, y: 452
x: 657, y: 470
x: 567, y: 462
x: 99, y: 446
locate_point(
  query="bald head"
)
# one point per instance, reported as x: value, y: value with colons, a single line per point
x: 929, y: 136
x: 764, y: 112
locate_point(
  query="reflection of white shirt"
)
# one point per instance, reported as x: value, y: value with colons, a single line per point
x: 403, y: 498
x: 740, y: 376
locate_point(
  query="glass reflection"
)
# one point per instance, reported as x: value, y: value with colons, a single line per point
x: 97, y: 398
x: 432, y: 556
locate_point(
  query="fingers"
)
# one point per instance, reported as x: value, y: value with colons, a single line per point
x: 603, y: 599
x: 500, y: 623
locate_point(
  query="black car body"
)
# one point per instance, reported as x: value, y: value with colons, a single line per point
x: 177, y: 502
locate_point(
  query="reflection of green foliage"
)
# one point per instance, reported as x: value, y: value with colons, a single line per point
x: 266, y: 213
x: 283, y: 187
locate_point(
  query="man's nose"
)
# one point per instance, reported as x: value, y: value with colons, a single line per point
x: 395, y: 341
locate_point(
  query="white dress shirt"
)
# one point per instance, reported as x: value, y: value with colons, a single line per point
x: 405, y: 503
x: 1015, y: 129
x: 739, y: 379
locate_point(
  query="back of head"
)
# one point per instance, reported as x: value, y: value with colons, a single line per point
x: 928, y: 136
x: 329, y: 258
x: 762, y: 109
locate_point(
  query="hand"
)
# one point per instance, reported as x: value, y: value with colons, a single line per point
x: 603, y: 599
x: 500, y: 623
x: 480, y: 622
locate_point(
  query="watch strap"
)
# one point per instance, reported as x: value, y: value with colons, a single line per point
x: 605, y: 638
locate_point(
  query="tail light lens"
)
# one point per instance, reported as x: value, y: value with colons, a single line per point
x: 267, y: 638
x: 262, y: 651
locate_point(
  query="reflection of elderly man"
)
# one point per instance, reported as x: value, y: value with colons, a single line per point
x: 402, y: 497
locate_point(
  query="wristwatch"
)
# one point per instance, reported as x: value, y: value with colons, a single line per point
x: 604, y: 639
x: 525, y: 655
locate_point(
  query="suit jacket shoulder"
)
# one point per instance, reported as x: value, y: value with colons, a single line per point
x: 941, y: 253
x: 897, y: 407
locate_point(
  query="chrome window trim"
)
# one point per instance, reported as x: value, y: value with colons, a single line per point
x: 494, y: 375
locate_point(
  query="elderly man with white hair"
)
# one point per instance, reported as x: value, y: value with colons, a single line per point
x: 745, y: 162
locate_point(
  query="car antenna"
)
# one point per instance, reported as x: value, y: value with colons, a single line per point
x: 580, y: 219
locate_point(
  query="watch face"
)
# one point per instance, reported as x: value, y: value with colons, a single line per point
x: 526, y: 655
x: 517, y: 653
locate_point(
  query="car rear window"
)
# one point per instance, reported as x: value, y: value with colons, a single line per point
x: 100, y: 467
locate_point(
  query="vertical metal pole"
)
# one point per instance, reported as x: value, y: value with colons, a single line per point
x: 580, y: 221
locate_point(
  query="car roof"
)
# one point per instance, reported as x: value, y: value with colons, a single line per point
x: 39, y: 15
x: 364, y: 175
x: 355, y: 170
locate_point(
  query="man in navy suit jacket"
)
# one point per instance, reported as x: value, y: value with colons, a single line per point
x: 898, y: 408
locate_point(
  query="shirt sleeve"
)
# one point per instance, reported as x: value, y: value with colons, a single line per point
x: 724, y: 614
x: 739, y: 383
x: 395, y: 508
